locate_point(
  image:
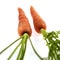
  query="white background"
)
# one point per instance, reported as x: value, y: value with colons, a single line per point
x: 49, y: 10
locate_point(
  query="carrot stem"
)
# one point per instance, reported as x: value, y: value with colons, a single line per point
x: 35, y: 50
x: 14, y: 51
x: 9, y: 45
x: 23, y: 47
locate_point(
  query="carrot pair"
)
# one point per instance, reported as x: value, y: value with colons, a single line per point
x: 52, y: 40
x: 24, y: 26
x: 25, y: 31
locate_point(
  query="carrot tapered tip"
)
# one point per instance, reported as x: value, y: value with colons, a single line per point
x: 21, y: 11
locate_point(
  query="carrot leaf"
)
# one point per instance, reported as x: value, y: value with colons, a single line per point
x: 53, y: 43
x: 10, y: 45
x: 23, y: 47
x: 14, y: 51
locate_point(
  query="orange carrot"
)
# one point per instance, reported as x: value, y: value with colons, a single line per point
x: 37, y: 20
x: 23, y: 26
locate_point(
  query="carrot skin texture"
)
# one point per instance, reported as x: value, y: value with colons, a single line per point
x: 23, y: 25
x: 37, y: 20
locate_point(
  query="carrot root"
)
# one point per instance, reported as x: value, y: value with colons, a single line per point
x: 23, y: 26
x: 37, y: 20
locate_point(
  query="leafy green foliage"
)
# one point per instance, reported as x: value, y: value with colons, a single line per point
x: 53, y: 43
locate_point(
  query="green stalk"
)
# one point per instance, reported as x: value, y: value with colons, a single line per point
x: 14, y: 51
x: 35, y: 50
x: 23, y: 47
x: 9, y: 45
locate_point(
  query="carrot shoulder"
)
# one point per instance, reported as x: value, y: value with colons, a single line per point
x: 37, y: 20
x: 23, y: 25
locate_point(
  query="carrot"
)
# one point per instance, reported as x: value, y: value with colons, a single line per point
x: 24, y: 30
x: 51, y: 38
x: 23, y: 26
x: 37, y: 20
